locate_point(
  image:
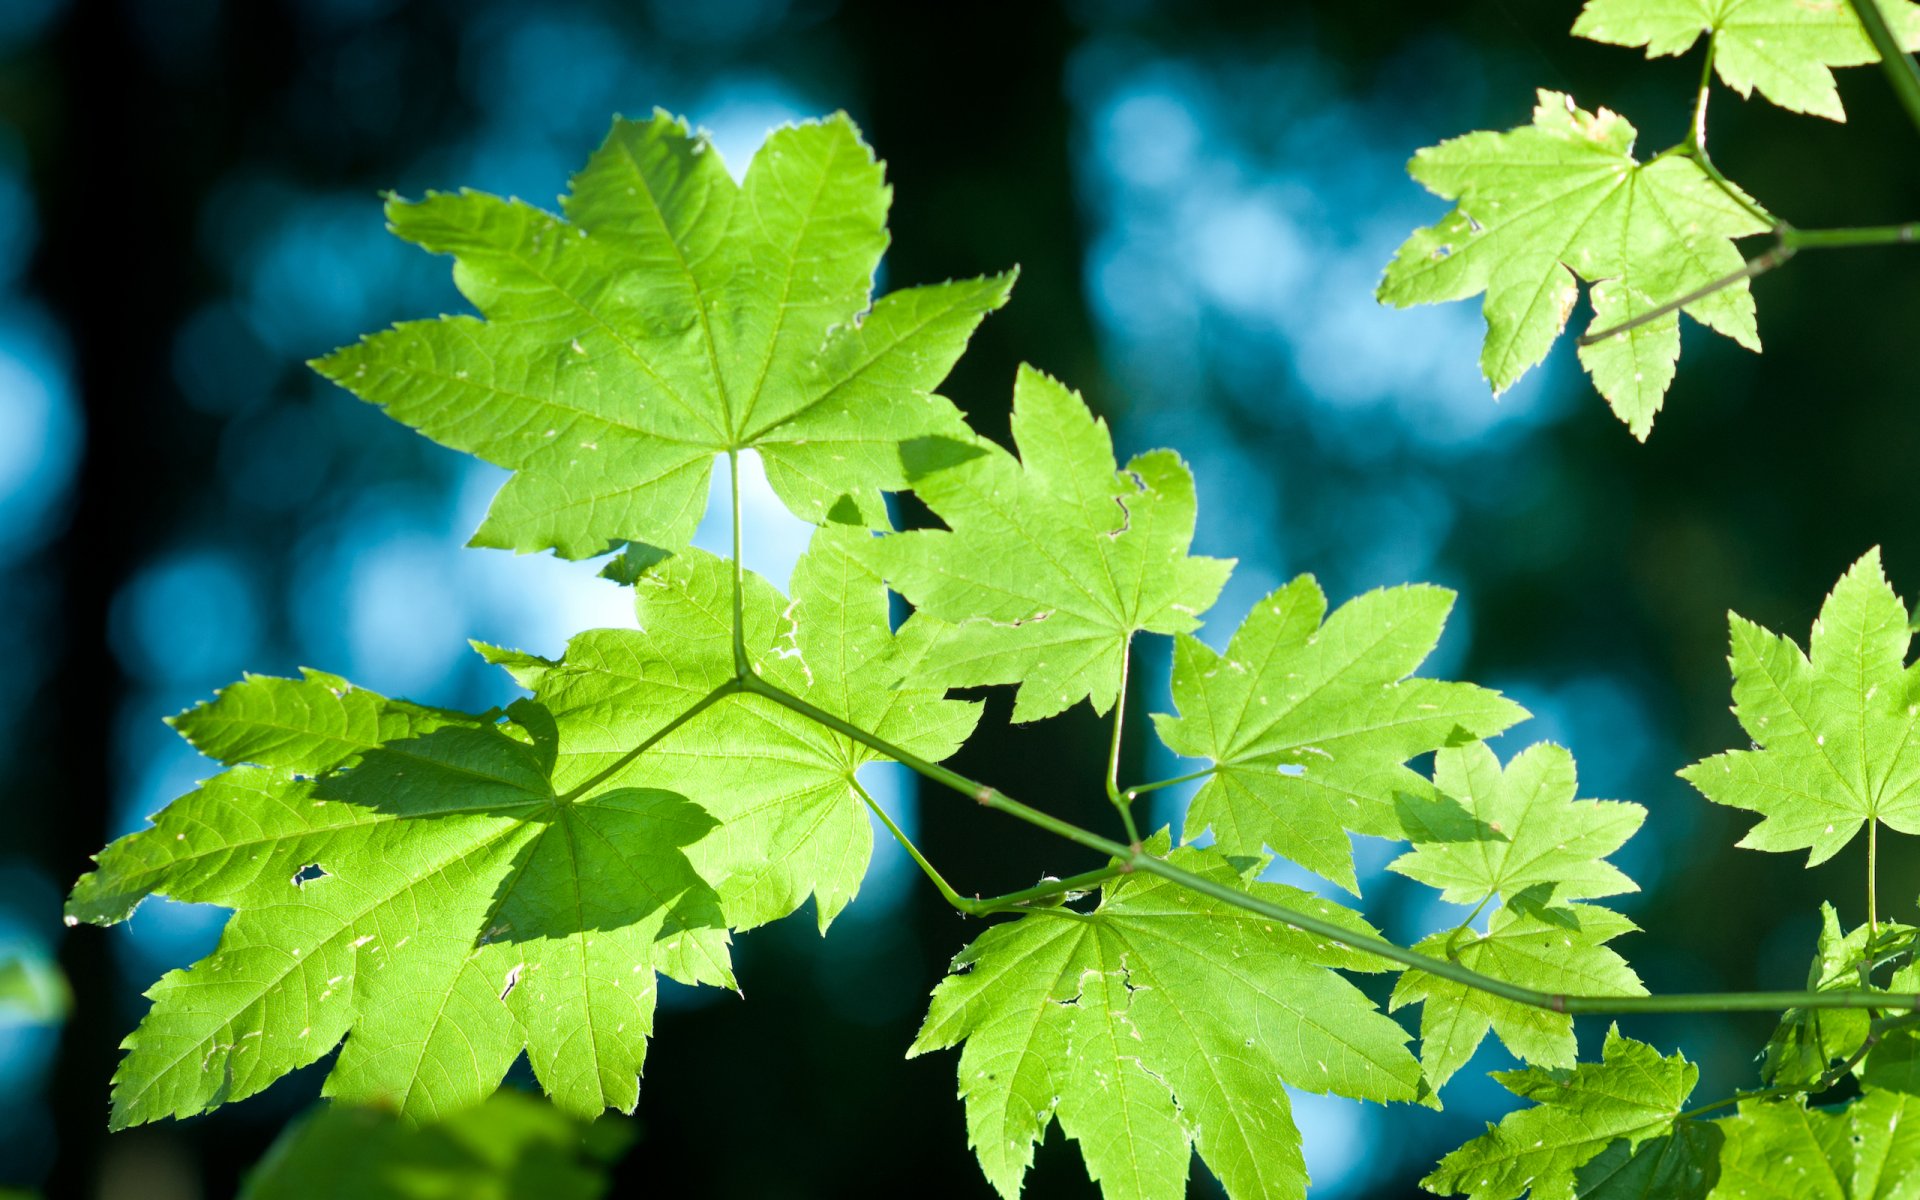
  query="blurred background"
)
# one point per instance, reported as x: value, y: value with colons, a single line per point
x: 1201, y: 196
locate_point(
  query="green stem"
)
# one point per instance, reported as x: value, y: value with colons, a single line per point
x: 741, y: 667
x: 1873, y: 898
x: 1045, y: 890
x: 1760, y: 264
x: 979, y: 907
x: 1128, y: 859
x: 1733, y: 192
x: 1788, y: 241
x: 1903, y: 73
x: 1121, y: 801
x: 1697, y: 132
x: 1827, y: 1081
x: 1141, y: 789
x: 730, y: 687
x: 1866, y: 235
x: 906, y: 843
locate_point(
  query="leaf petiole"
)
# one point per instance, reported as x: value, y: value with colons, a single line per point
x: 1903, y: 73
x: 1128, y: 859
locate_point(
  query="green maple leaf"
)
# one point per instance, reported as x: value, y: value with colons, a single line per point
x: 419, y: 882
x: 32, y: 988
x: 791, y: 818
x: 512, y: 1147
x: 1784, y: 1150
x: 1681, y: 1165
x: 1632, y: 1095
x: 1561, y: 951
x: 673, y: 315
x: 1310, y: 724
x: 1833, y: 731
x: 1159, y: 1021
x: 1053, y: 561
x: 1807, y: 1040
x: 1564, y: 199
x: 1522, y: 829
x: 1785, y: 48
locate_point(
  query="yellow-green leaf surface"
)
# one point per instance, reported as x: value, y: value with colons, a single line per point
x: 1784, y: 1150
x: 437, y: 896
x: 1560, y: 951
x: 1494, y: 832
x: 1540, y: 208
x: 791, y: 820
x: 1051, y: 562
x: 1162, y: 1022
x: 1808, y: 1040
x: 670, y: 315
x: 1833, y: 729
x: 1782, y: 48
x: 1310, y: 719
x: 513, y: 1147
x: 1633, y: 1096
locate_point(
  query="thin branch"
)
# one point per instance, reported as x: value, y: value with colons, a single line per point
x: 740, y: 665
x: 1131, y: 858
x: 1788, y: 241
x: 1760, y: 264
x: 1046, y: 889
x: 1732, y: 190
x: 1141, y: 789
x: 1826, y: 1082
x: 1873, y: 896
x: 1120, y: 801
x: 906, y: 843
x: 1697, y: 132
x: 1903, y: 73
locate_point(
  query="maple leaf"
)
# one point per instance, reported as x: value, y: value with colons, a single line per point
x: 1632, y: 1095
x: 1807, y: 1040
x: 1680, y: 1165
x: 1560, y: 951
x: 1564, y: 199
x: 1784, y: 48
x: 1783, y: 1150
x: 1517, y: 834
x: 1053, y: 561
x: 513, y: 1147
x: 1833, y: 730
x: 1159, y: 1021
x: 1523, y: 829
x: 433, y: 894
x: 1310, y: 724
x: 673, y: 315
x: 783, y: 789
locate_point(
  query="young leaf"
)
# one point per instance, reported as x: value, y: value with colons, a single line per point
x: 1833, y: 732
x: 1524, y: 829
x: 1631, y: 1095
x: 1555, y: 950
x: 671, y: 316
x: 1782, y: 47
x: 513, y: 1147
x: 1563, y: 199
x: 1052, y: 561
x: 1310, y: 725
x: 1161, y: 1019
x: 435, y: 896
x: 1783, y: 1150
x: 1807, y: 1040
x: 791, y: 822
